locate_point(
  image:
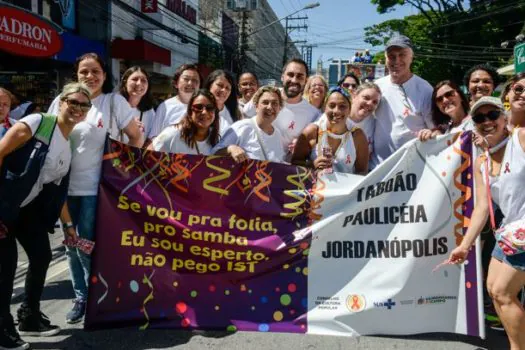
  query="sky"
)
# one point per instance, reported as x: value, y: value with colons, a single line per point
x: 336, y: 26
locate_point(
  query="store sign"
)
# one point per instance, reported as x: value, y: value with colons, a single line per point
x: 149, y: 6
x: 182, y: 9
x: 26, y: 34
x: 519, y: 58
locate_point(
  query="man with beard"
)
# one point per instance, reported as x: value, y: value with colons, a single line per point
x: 296, y: 113
x: 186, y: 80
x: 405, y: 107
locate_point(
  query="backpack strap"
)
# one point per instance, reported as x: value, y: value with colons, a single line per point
x: 46, y: 128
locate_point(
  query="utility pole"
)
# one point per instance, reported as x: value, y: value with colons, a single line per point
x: 244, y: 43
x: 287, y: 30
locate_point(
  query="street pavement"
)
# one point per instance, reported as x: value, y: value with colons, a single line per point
x: 56, y: 302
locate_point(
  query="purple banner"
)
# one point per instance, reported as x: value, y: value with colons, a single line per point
x: 199, y: 243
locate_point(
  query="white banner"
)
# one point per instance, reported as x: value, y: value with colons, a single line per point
x: 379, y: 238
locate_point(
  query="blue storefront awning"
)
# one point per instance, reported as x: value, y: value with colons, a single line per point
x: 74, y: 46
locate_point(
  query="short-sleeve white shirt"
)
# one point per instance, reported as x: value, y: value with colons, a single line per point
x: 88, y: 138
x: 170, y: 141
x: 403, y: 111
x: 244, y: 134
x: 169, y: 112
x: 58, y: 158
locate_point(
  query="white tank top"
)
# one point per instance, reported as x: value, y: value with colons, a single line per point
x: 511, y: 194
x: 344, y: 156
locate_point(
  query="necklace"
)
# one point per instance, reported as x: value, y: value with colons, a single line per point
x: 499, y: 146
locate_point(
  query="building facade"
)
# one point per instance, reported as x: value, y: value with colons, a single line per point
x: 261, y: 52
x: 158, y: 35
x: 36, y: 68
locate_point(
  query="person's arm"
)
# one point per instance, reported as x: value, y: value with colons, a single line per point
x: 521, y: 137
x: 15, y: 137
x: 361, y: 150
x: 67, y: 223
x: 478, y: 219
x: 135, y: 135
x: 303, y: 147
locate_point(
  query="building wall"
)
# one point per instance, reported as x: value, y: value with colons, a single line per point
x: 126, y: 25
x: 264, y: 53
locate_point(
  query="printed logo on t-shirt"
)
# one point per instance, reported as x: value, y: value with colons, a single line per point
x: 100, y: 124
x: 507, y: 168
x: 348, y: 159
x: 292, y: 125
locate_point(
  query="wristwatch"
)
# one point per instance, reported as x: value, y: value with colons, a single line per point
x: 67, y: 225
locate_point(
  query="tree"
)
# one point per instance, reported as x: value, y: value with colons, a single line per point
x: 450, y: 38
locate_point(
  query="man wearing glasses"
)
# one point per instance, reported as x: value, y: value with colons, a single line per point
x: 405, y: 107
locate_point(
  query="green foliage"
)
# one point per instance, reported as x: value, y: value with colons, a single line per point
x: 449, y: 38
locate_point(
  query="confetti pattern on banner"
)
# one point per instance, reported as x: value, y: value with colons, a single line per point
x: 221, y: 269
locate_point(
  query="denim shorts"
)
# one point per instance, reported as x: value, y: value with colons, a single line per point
x: 517, y: 261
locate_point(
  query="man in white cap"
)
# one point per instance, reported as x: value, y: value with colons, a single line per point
x: 405, y: 107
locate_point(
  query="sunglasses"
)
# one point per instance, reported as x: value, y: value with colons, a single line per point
x: 83, y: 106
x: 447, y: 95
x: 518, y: 89
x: 348, y: 85
x: 199, y: 108
x: 481, y: 117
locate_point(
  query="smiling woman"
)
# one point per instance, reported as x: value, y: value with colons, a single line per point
x: 35, y: 155
x: 198, y: 131
x: 330, y: 144
x: 256, y: 138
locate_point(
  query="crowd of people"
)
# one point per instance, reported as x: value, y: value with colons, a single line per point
x: 53, y: 160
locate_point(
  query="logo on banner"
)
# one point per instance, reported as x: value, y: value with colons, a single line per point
x: 435, y: 299
x: 389, y: 304
x: 23, y: 33
x: 149, y: 6
x: 355, y: 302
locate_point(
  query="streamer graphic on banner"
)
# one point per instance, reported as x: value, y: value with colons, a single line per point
x: 298, y: 194
x: 265, y: 180
x: 147, y: 280
x: 223, y: 175
x: 466, y: 193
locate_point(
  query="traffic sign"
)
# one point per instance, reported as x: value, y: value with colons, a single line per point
x: 519, y: 58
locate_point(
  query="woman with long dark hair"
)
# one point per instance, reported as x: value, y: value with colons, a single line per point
x: 197, y: 132
x: 136, y: 89
x: 222, y: 85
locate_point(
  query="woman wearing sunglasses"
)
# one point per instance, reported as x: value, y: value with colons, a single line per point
x: 315, y: 91
x: 500, y: 173
x: 35, y: 155
x: 197, y: 132
x: 449, y: 111
x: 350, y: 82
x: 330, y: 143
x: 256, y: 138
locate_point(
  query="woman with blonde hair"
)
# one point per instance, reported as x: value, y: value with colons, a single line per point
x: 315, y: 91
x: 35, y: 155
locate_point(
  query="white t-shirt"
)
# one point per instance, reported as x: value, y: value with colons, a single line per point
x: 244, y: 134
x: 148, y: 119
x: 58, y: 158
x: 170, y: 141
x: 169, y: 112
x: 403, y: 111
x: 88, y: 137
x: 225, y: 121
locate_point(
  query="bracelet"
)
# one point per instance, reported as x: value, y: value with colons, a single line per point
x: 67, y: 225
